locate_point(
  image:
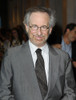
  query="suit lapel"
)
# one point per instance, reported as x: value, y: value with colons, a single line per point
x: 29, y: 69
x: 53, y: 69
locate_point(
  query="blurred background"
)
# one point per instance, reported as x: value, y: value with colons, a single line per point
x: 12, y: 11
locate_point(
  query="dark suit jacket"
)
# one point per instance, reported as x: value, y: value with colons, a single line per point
x: 18, y: 75
x: 74, y: 57
x: 74, y: 51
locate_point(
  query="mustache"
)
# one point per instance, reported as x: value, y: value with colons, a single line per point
x: 37, y: 35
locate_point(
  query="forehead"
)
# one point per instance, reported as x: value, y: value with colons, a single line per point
x: 39, y: 17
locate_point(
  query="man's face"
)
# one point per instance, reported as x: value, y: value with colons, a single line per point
x: 38, y: 29
x: 72, y: 35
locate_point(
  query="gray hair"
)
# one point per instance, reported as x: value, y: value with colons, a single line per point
x: 40, y: 9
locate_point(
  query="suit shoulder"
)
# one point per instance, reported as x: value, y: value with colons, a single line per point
x: 13, y: 50
x: 61, y: 52
x: 16, y: 50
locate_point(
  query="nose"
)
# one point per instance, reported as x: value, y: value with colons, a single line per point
x: 39, y: 31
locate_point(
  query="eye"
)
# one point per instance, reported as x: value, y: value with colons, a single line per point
x: 34, y: 26
x: 44, y: 27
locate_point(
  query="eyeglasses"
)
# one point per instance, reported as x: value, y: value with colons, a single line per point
x: 42, y: 28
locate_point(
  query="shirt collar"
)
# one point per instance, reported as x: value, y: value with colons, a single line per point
x: 34, y: 48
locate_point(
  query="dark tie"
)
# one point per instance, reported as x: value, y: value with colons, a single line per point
x: 40, y: 73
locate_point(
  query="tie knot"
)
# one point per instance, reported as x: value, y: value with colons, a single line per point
x: 38, y: 51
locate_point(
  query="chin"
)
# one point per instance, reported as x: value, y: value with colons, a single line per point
x: 39, y: 44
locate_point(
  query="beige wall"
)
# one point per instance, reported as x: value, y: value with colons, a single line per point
x: 71, y: 11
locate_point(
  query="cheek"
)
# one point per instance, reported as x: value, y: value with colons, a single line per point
x: 31, y: 35
x: 47, y: 35
x: 75, y: 35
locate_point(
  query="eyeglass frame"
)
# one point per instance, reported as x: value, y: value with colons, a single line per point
x: 32, y: 26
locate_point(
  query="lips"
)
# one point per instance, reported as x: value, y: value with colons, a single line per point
x: 38, y: 37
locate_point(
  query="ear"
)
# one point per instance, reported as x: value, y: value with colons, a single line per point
x: 50, y: 30
x: 26, y: 27
x: 68, y: 30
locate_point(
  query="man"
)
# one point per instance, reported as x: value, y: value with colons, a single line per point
x: 68, y: 43
x: 22, y: 70
x: 69, y: 37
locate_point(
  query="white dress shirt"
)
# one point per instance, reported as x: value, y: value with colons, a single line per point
x: 45, y: 54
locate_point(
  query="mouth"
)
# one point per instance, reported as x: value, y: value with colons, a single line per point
x: 38, y: 37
